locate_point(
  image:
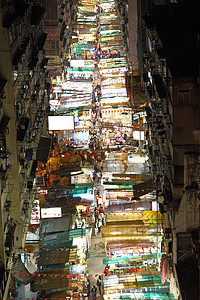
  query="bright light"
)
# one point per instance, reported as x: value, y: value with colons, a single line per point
x: 77, y: 63
x: 52, y: 212
x: 138, y: 135
x: 61, y: 122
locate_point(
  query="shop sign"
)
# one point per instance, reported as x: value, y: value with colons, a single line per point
x: 54, y: 102
x: 57, y: 89
x: 80, y: 241
x: 75, y: 40
x: 35, y: 214
x: 61, y: 122
x: 77, y: 63
x: 52, y: 212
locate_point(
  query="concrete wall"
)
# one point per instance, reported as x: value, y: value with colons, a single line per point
x: 11, y: 138
x: 132, y: 24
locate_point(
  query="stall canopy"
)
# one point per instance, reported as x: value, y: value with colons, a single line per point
x: 20, y: 272
x: 56, y: 225
x: 42, y: 153
x: 62, y: 239
x: 143, y: 188
x: 57, y: 257
x: 48, y: 281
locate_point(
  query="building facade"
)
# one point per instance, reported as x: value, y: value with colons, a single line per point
x: 170, y: 71
x: 24, y: 104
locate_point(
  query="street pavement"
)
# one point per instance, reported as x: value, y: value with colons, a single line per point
x: 95, y: 260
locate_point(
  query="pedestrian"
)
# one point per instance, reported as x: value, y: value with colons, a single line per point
x: 81, y: 213
x: 88, y: 209
x: 99, y: 177
x: 88, y: 287
x: 101, y: 210
x: 98, y: 226
x: 95, y: 215
x: 46, y: 178
x: 99, y: 283
x: 94, y: 292
x: 106, y: 271
x: 102, y: 219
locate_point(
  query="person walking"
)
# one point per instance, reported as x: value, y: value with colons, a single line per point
x: 101, y: 210
x: 99, y: 284
x: 94, y: 292
x: 88, y: 287
x: 95, y: 215
x: 106, y: 270
x: 46, y: 178
x: 98, y: 226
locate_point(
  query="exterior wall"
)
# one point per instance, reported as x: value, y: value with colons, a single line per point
x: 59, y: 19
x: 174, y: 117
x: 51, y: 16
x: 173, y: 141
x: 11, y: 191
x: 132, y: 33
x: 52, y: 28
x: 186, y: 111
x: 23, y: 98
x: 187, y: 216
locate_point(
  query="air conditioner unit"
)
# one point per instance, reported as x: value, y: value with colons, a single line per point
x: 3, y: 95
x: 21, y: 91
x: 167, y: 230
x: 24, y: 213
x: 7, y: 203
x: 26, y: 206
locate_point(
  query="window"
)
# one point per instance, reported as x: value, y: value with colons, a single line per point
x: 183, y: 97
x: 51, y: 62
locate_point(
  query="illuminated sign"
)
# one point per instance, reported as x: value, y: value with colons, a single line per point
x: 52, y: 212
x: 80, y: 86
x: 35, y: 214
x: 80, y: 241
x: 138, y: 135
x: 57, y: 89
x: 61, y: 122
x: 77, y: 63
x: 54, y: 102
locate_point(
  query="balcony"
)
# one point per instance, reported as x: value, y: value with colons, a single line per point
x: 41, y: 41
x: 3, y: 280
x: 9, y: 241
x: 33, y: 168
x: 44, y: 62
x: 24, y: 43
x: 22, y: 128
x: 43, y: 149
x: 4, y: 125
x: 160, y: 87
x: 18, y: 10
x: 3, y: 82
x: 17, y: 56
x: 33, y: 62
x: 36, y: 14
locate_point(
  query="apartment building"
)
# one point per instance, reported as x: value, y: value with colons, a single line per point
x: 59, y: 20
x: 24, y: 95
x: 171, y: 80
